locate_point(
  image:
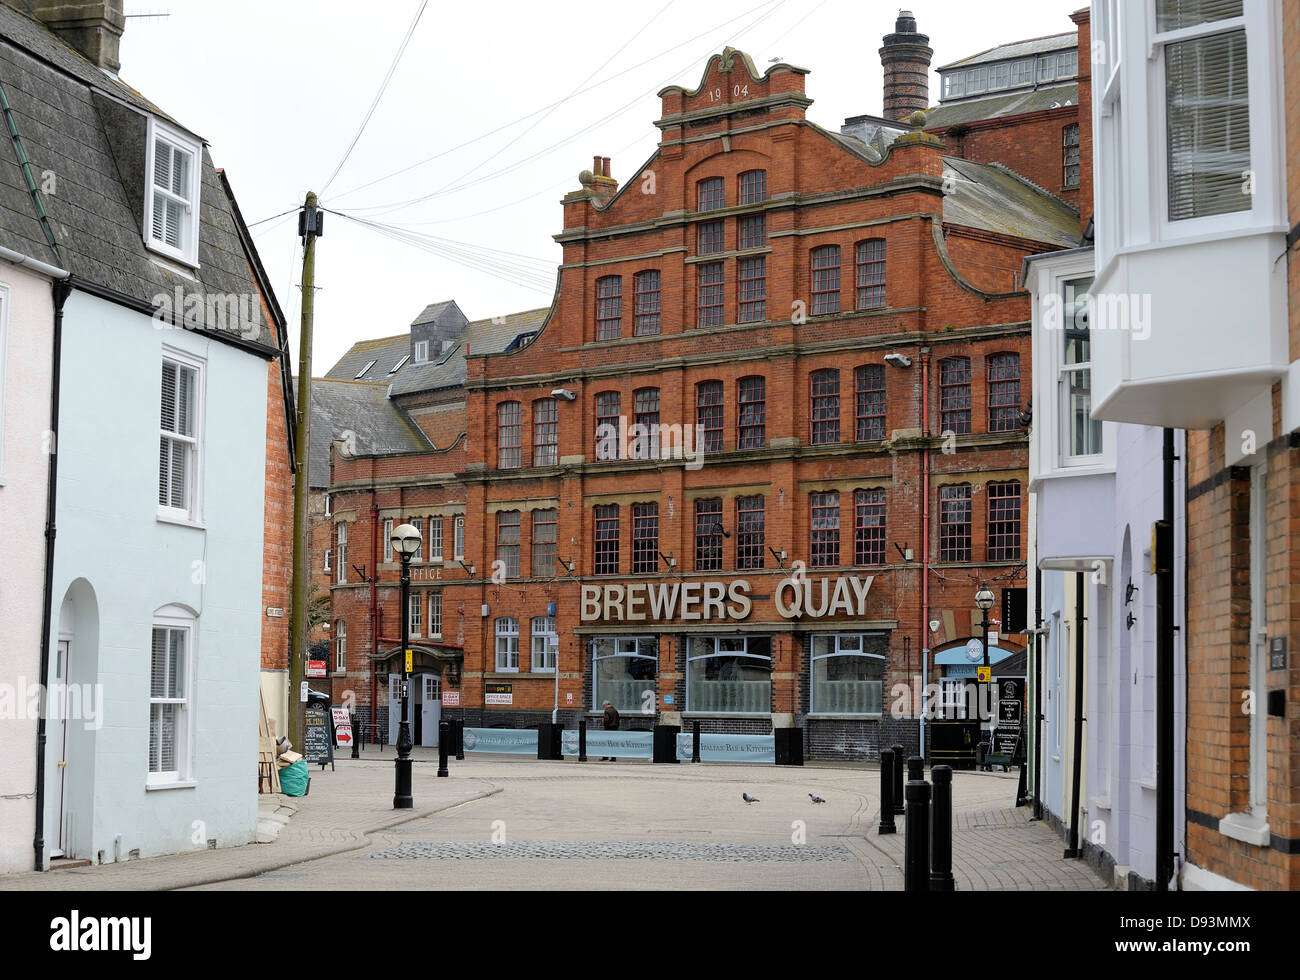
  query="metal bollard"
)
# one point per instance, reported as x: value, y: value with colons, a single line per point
x: 898, y: 778
x: 887, y: 793
x: 460, y: 739
x: 356, y: 750
x: 582, y: 739
x: 444, y: 733
x: 916, y: 863
x: 941, y: 879
x: 916, y: 768
x: 695, y: 741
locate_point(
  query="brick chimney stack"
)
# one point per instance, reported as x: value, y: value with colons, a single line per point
x: 92, y: 27
x: 906, y: 58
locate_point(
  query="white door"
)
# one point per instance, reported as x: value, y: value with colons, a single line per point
x: 394, y: 706
x: 430, y: 710
x: 58, y: 740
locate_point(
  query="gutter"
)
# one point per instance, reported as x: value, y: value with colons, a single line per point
x: 32, y: 265
x: 62, y: 288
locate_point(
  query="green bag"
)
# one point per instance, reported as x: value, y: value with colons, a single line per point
x: 294, y: 779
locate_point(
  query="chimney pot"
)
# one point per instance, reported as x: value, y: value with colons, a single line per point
x: 604, y: 167
x: 906, y: 59
x: 595, y: 166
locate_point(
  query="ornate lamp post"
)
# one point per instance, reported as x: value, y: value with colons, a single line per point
x: 984, y: 599
x: 406, y: 542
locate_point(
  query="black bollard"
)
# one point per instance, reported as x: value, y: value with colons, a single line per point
x: 444, y: 733
x: 915, y: 768
x: 582, y: 739
x: 916, y: 863
x: 356, y: 749
x: 898, y: 778
x: 695, y: 741
x: 460, y: 739
x: 941, y: 879
x: 887, y: 793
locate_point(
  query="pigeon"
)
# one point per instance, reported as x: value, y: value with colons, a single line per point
x: 816, y: 798
x: 748, y: 799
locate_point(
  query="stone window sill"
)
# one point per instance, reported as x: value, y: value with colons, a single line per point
x: 1246, y: 827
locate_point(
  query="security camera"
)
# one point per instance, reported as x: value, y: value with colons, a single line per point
x: 898, y: 360
x: 567, y: 394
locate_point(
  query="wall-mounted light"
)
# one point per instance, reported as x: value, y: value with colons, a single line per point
x: 568, y: 394
x: 898, y: 360
x: 469, y: 569
x: 778, y: 555
x: 669, y: 560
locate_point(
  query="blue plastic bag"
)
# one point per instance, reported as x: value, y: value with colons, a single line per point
x: 294, y: 779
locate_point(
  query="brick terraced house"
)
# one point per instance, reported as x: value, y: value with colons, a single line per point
x: 770, y: 428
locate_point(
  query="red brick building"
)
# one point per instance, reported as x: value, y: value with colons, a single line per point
x: 782, y: 362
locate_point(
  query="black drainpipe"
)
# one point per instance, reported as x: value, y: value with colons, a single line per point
x: 1165, y: 675
x: 1038, y: 694
x: 61, y: 290
x: 1073, y: 850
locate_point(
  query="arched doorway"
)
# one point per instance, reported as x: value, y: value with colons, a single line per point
x: 74, y: 712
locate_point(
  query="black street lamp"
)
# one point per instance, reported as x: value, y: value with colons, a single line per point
x: 406, y: 542
x: 984, y: 599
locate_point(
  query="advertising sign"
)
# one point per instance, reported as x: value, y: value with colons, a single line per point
x: 498, y: 693
x: 315, y: 668
x: 715, y: 747
x: 451, y: 699
x: 504, y: 741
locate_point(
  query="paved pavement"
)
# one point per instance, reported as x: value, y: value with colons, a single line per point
x: 501, y: 823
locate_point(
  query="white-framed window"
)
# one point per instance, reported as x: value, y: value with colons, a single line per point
x: 435, y: 539
x: 507, y: 633
x: 847, y: 679
x: 327, y: 560
x: 418, y: 524
x: 171, y: 695
x: 546, y: 643
x: 172, y: 197
x: 729, y: 674
x: 341, y: 558
x: 435, y: 615
x: 421, y: 351
x: 341, y: 646
x: 180, y: 437
x: 977, y: 80
x: 999, y: 76
x: 458, y: 544
x: 1022, y: 71
x: 329, y: 499
x: 952, y: 697
x: 623, y: 672
x: 1081, y: 434
x: 414, y: 608
x: 388, y: 540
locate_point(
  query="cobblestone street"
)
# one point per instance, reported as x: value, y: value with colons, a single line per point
x: 500, y: 823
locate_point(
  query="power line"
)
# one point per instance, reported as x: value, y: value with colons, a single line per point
x: 383, y: 87
x: 460, y: 146
x: 382, y: 209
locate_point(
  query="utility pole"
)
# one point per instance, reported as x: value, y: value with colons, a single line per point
x: 310, y: 221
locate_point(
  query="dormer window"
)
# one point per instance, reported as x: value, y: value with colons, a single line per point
x: 421, y: 351
x: 172, y: 195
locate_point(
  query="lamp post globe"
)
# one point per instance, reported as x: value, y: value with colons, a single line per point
x: 984, y: 600
x: 406, y: 541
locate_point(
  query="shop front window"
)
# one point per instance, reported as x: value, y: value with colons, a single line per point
x: 623, y: 672
x: 847, y: 679
x: 729, y: 675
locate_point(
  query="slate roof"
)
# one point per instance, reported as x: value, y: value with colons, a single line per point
x: 991, y: 197
x: 1018, y: 49
x: 484, y: 336
x: 90, y: 130
x: 1006, y: 104
x: 377, y: 424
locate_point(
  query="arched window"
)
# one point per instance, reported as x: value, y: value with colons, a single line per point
x: 870, y: 384
x: 609, y: 307
x: 644, y: 437
x: 546, y: 642
x: 729, y: 674
x: 751, y: 413
x: 546, y: 436
x: 708, y: 415
x: 1004, y: 521
x: 871, y: 274
x: 826, y: 280
x: 609, y: 424
x: 1004, y: 392
x: 645, y: 538
x: 869, y: 527
x: 509, y: 435
x: 645, y: 300
x: 824, y: 539
x: 954, y: 395
x: 341, y: 645
x: 753, y: 187
x: 711, y: 194
x: 954, y: 522
x: 825, y: 407
x: 606, y: 551
x: 623, y: 671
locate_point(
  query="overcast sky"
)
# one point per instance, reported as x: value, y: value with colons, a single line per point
x: 493, y: 110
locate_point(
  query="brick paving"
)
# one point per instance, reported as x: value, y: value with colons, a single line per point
x: 502, y: 823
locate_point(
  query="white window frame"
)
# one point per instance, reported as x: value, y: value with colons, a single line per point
x: 193, y: 513
x: 328, y: 551
x: 418, y: 524
x: 388, y: 540
x: 328, y: 505
x: 189, y: 252
x: 506, y: 650
x: 841, y: 650
x: 415, y: 613
x: 1022, y: 72
x: 716, y: 643
x: 362, y: 373
x: 1065, y: 457
x: 341, y: 559
x: 544, y: 643
x: 421, y: 352
x: 340, y: 646
x: 458, y: 541
x: 629, y: 647
x: 435, y: 553
x: 435, y: 602
x: 174, y: 617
